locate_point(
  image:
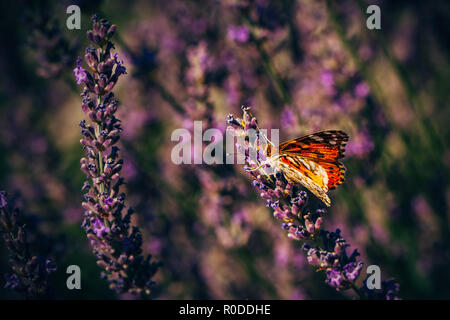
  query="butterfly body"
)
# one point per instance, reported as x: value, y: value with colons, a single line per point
x: 312, y: 161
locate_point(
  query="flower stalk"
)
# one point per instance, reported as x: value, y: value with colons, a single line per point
x: 30, y: 272
x: 116, y: 243
x: 325, y: 250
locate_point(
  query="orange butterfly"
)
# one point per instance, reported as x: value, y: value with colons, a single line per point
x: 312, y: 161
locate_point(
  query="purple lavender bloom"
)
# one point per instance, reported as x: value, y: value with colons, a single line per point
x: 31, y: 272
x: 334, y: 278
x: 325, y: 250
x: 120, y: 68
x: 108, y: 201
x: 352, y: 270
x: 239, y: 34
x: 105, y: 223
x: 99, y: 227
x: 80, y: 73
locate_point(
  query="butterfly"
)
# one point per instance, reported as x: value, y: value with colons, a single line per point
x: 312, y: 161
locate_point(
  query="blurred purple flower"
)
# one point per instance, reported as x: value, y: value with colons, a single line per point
x: 362, y: 90
x: 38, y: 145
x: 327, y: 79
x: 420, y: 205
x: 288, y: 118
x: 360, y: 145
x: 31, y: 272
x: 72, y: 214
x: 239, y: 34
x: 232, y: 88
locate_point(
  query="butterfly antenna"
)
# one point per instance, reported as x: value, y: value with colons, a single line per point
x: 258, y: 167
x: 267, y: 139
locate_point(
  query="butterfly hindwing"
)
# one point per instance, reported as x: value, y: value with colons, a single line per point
x: 308, y: 173
x: 335, y: 172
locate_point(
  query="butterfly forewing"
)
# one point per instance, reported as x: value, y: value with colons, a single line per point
x: 313, y: 161
x: 324, y: 146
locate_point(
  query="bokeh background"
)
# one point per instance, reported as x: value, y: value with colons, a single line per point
x: 302, y: 66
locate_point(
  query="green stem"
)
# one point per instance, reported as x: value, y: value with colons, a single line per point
x: 100, y: 158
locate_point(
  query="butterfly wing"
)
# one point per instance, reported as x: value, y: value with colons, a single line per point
x: 310, y: 174
x: 313, y: 161
x: 328, y: 146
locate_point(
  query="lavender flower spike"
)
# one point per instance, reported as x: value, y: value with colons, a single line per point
x: 31, y: 272
x: 325, y: 250
x: 115, y: 242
